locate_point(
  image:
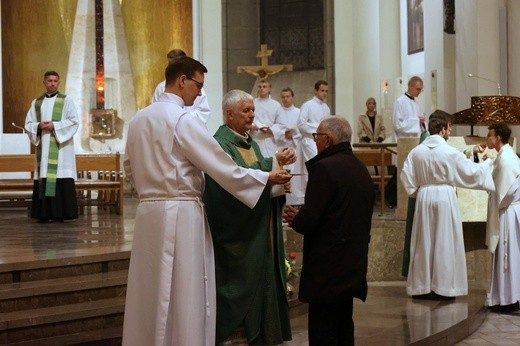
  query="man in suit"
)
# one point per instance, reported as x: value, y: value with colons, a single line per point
x: 335, y: 221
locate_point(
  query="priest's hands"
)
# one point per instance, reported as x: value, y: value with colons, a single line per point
x: 285, y: 156
x: 279, y: 177
x: 479, y: 149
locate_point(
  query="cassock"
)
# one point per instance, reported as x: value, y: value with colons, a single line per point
x: 170, y: 296
x: 64, y: 204
x: 431, y: 171
x: 503, y: 229
x: 249, y: 253
x: 288, y: 119
x: 311, y: 114
x: 266, y: 112
x: 200, y: 106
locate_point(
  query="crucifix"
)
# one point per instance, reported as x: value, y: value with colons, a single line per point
x: 264, y: 70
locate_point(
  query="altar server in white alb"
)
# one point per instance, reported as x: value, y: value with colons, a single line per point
x: 408, y: 118
x: 200, y: 106
x: 266, y: 112
x: 503, y: 224
x: 51, y: 123
x: 431, y: 172
x: 171, y: 295
x: 312, y: 113
x: 286, y: 134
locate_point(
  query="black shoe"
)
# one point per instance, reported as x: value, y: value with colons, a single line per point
x: 505, y: 308
x: 427, y: 296
x: 442, y: 298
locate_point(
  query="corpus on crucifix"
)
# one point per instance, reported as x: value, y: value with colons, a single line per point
x: 264, y: 70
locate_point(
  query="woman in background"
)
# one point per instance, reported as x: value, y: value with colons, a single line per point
x: 371, y: 128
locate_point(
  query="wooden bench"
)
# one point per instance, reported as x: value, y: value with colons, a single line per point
x: 378, y: 155
x: 96, y: 172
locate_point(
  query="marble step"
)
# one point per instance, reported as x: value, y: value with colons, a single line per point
x: 61, y: 285
x: 30, y: 325
x: 62, y: 291
x: 42, y: 269
x: 101, y: 337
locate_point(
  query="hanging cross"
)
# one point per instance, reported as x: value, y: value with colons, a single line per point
x: 264, y: 69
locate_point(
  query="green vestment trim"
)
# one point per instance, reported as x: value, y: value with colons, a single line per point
x: 52, y: 160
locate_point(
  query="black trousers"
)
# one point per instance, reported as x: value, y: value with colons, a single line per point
x: 331, y: 324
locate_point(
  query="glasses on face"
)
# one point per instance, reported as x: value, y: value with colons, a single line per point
x: 199, y: 84
x: 316, y: 134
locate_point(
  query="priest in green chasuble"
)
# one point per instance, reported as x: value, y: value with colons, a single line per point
x: 249, y: 250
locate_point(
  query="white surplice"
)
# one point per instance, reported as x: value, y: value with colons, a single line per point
x: 405, y: 118
x: 431, y: 171
x: 311, y: 114
x: 288, y: 119
x: 64, y: 131
x: 171, y: 282
x: 266, y: 112
x: 503, y: 229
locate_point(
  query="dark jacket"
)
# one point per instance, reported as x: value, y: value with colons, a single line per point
x: 335, y: 222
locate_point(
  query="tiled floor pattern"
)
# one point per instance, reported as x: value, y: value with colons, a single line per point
x: 497, y: 329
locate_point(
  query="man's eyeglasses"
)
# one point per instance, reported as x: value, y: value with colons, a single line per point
x: 316, y: 134
x: 199, y: 84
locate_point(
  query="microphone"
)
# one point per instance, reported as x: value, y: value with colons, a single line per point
x: 18, y: 127
x: 471, y: 75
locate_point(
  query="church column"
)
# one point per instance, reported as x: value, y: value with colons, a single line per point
x: 1, y: 80
x: 389, y: 58
x: 343, y: 57
x: 513, y: 47
x: 209, y: 43
x: 367, y: 69
x: 439, y: 62
x: 477, y: 52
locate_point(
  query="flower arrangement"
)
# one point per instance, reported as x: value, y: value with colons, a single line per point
x: 291, y: 270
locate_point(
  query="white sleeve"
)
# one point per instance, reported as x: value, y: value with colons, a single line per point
x: 205, y: 153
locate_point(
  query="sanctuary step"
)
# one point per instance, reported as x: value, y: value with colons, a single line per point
x: 78, y: 300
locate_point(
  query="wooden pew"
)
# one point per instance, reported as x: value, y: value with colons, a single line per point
x: 96, y: 172
x: 376, y: 154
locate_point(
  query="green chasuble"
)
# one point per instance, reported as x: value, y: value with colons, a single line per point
x: 249, y: 253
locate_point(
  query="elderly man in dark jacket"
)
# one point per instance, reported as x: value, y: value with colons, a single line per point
x: 335, y: 222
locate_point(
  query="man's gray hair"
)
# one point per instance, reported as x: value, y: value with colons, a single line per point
x: 232, y: 98
x: 337, y: 128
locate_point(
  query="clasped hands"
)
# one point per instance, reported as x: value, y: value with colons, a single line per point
x: 46, y: 125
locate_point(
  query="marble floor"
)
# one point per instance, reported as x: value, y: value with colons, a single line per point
x: 388, y: 317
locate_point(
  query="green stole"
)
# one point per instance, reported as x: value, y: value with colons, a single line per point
x: 52, y: 161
